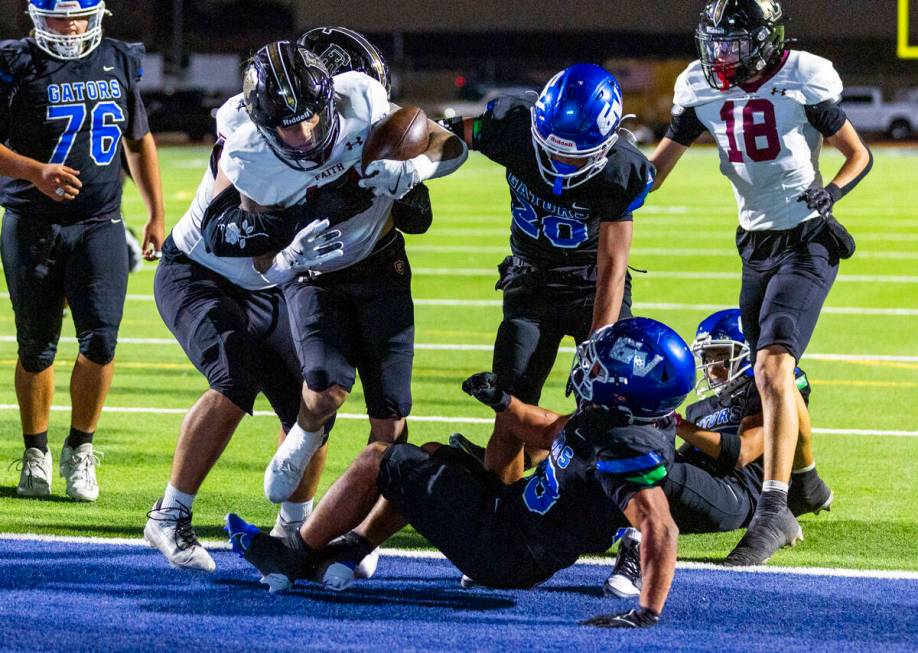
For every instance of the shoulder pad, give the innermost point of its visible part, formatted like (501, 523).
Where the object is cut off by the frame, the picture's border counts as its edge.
(621, 449)
(255, 171)
(360, 97)
(692, 89)
(816, 79)
(15, 56)
(133, 52)
(231, 115)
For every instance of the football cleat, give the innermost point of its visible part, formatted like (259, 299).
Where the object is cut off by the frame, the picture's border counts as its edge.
(284, 528)
(169, 530)
(285, 471)
(78, 466)
(625, 580)
(281, 562)
(462, 443)
(808, 493)
(767, 533)
(34, 473)
(467, 583)
(367, 567)
(340, 560)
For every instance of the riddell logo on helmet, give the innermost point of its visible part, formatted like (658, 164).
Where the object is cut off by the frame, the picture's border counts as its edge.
(560, 142)
(67, 5)
(286, 122)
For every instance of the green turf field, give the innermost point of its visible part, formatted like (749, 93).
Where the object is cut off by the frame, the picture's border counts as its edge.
(684, 237)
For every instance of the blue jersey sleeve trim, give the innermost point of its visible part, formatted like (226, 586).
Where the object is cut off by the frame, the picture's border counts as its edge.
(638, 201)
(651, 459)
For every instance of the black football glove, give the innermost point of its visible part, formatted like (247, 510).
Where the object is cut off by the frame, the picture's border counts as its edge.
(821, 199)
(483, 386)
(638, 618)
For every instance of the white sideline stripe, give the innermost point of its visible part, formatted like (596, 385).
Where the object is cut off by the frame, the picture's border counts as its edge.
(438, 419)
(884, 574)
(669, 274)
(660, 306)
(564, 350)
(645, 251)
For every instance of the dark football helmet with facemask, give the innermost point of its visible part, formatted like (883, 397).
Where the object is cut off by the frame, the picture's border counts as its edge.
(285, 84)
(739, 39)
(342, 49)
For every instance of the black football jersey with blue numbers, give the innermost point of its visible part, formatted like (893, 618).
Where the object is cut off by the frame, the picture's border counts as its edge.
(551, 230)
(724, 414)
(573, 503)
(74, 113)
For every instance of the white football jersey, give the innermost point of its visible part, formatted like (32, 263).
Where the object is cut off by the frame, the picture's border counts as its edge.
(257, 172)
(768, 148)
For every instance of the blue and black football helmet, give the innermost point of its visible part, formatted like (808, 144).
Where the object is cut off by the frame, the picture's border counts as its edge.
(739, 39)
(64, 46)
(721, 351)
(342, 49)
(576, 116)
(283, 85)
(637, 366)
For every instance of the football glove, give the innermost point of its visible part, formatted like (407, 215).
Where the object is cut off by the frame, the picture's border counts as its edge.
(500, 107)
(312, 247)
(483, 386)
(395, 178)
(637, 618)
(821, 199)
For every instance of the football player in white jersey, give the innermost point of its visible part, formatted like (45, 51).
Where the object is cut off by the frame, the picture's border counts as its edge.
(769, 109)
(356, 313)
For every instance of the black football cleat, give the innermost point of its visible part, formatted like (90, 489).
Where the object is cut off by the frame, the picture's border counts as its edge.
(808, 493)
(767, 532)
(625, 580)
(462, 443)
(281, 561)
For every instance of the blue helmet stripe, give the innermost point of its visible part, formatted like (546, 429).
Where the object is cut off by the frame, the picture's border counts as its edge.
(651, 459)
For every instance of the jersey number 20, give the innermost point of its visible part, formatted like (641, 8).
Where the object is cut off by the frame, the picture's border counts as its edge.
(104, 130)
(759, 125)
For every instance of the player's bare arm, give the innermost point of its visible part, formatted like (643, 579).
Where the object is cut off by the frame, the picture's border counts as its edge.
(665, 158)
(612, 266)
(751, 439)
(648, 511)
(144, 165)
(59, 182)
(858, 159)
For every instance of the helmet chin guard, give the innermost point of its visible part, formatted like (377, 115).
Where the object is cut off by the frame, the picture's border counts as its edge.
(67, 46)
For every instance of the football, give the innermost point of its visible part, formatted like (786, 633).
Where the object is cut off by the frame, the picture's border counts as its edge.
(400, 136)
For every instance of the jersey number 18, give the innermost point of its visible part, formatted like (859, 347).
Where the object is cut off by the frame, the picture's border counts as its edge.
(759, 125)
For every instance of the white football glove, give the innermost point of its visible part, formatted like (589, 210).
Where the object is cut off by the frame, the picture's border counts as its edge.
(395, 178)
(312, 247)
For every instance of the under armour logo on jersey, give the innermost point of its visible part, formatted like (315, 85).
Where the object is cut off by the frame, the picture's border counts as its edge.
(351, 145)
(778, 91)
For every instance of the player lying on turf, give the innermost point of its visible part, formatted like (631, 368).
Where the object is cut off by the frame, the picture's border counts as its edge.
(606, 463)
(769, 108)
(716, 480)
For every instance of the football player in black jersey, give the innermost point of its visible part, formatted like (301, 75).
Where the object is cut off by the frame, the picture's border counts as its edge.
(716, 480)
(69, 106)
(573, 187)
(606, 464)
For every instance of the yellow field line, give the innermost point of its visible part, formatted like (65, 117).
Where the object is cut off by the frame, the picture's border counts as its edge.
(905, 50)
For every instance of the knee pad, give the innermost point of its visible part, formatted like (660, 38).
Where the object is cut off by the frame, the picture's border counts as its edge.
(98, 345)
(36, 357)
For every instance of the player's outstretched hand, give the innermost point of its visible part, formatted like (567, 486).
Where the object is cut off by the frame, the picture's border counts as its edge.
(483, 386)
(312, 247)
(821, 199)
(395, 178)
(58, 182)
(503, 105)
(153, 237)
(637, 618)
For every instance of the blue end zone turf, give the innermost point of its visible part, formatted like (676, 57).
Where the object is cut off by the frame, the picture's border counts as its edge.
(65, 596)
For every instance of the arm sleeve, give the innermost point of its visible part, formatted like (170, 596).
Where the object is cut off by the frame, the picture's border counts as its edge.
(230, 231)
(138, 124)
(827, 117)
(413, 214)
(684, 126)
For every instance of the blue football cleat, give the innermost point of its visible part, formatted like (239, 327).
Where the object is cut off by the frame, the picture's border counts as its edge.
(240, 533)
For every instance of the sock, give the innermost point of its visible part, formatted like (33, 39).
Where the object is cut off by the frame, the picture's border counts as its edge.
(38, 441)
(774, 497)
(173, 497)
(78, 437)
(803, 470)
(292, 511)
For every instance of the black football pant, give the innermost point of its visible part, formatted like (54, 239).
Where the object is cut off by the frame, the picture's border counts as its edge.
(703, 503)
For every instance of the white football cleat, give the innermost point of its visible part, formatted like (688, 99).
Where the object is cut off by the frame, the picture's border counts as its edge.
(170, 531)
(625, 580)
(78, 466)
(284, 528)
(35, 473)
(367, 566)
(286, 469)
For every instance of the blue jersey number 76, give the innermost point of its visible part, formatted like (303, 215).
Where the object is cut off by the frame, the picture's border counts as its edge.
(104, 130)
